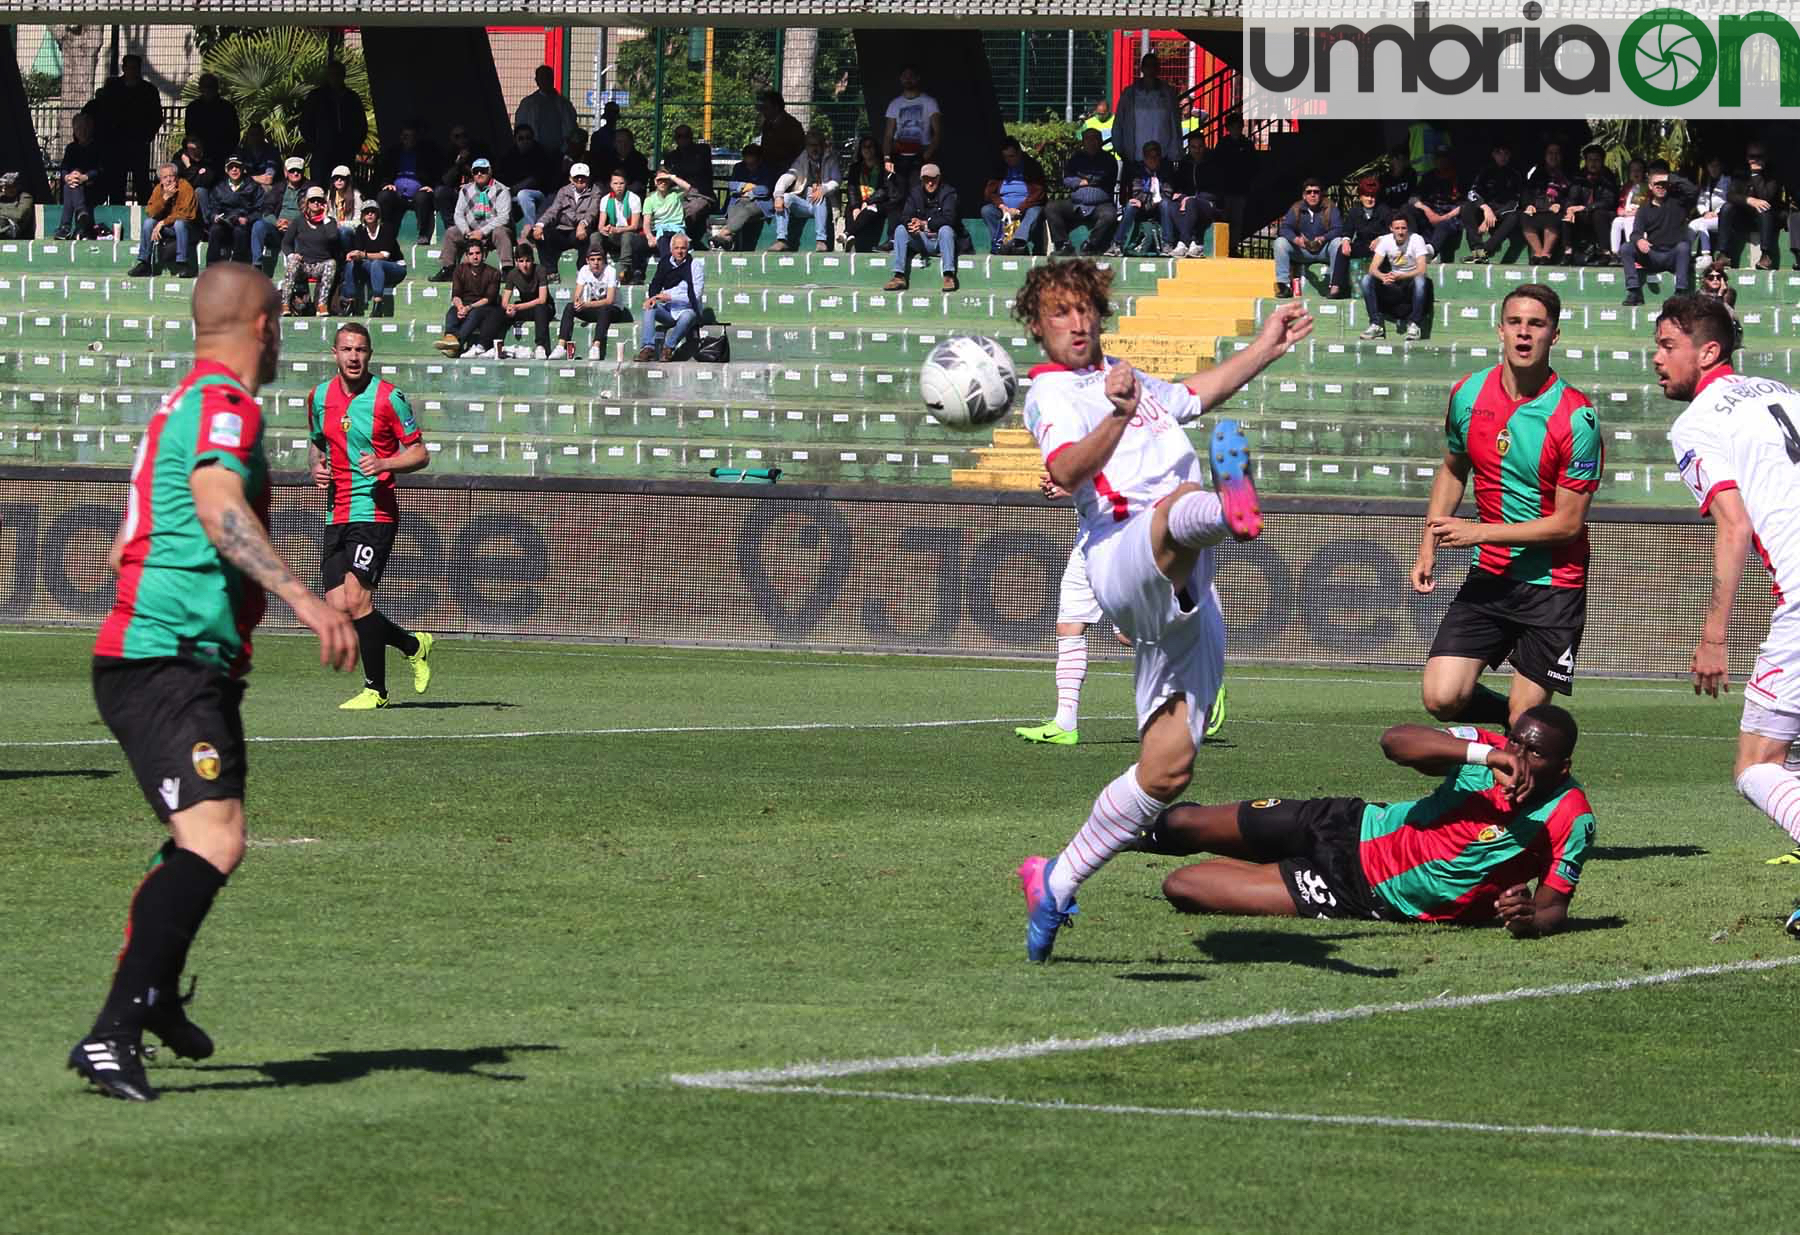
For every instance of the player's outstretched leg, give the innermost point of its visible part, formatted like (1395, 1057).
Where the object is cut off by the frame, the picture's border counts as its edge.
(1071, 673)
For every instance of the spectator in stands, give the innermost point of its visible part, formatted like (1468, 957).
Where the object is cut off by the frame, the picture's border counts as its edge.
(525, 298)
(471, 322)
(1548, 190)
(1148, 110)
(1365, 225)
(1193, 207)
(930, 224)
(1307, 230)
(603, 145)
(376, 263)
(484, 210)
(1015, 199)
(663, 218)
(1437, 205)
(193, 166)
(1146, 196)
(171, 208)
(869, 197)
(619, 229)
(1233, 159)
(1492, 213)
(1659, 235)
(1716, 283)
(262, 162)
(808, 189)
(213, 119)
(782, 137)
(18, 217)
(83, 180)
(333, 121)
(596, 302)
(575, 151)
(1100, 120)
(530, 172)
(1399, 184)
(128, 115)
(408, 176)
(692, 163)
(1713, 193)
(457, 162)
(1632, 194)
(1090, 176)
(569, 222)
(1397, 285)
(546, 112)
(672, 303)
(232, 211)
(629, 159)
(311, 249)
(1593, 203)
(342, 202)
(752, 201)
(913, 129)
(1752, 203)
(282, 210)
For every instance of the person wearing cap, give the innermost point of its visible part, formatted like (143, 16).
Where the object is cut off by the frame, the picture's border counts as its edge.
(342, 202)
(408, 172)
(310, 249)
(472, 322)
(663, 211)
(530, 170)
(375, 262)
(751, 203)
(691, 161)
(483, 212)
(569, 221)
(282, 209)
(333, 120)
(233, 207)
(1753, 203)
(807, 189)
(18, 220)
(929, 224)
(596, 301)
(172, 206)
(1365, 223)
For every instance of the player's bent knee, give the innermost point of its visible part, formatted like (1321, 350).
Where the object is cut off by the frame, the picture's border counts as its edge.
(1165, 784)
(214, 830)
(1181, 889)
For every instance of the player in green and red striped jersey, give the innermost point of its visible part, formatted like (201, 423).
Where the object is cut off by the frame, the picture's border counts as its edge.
(363, 435)
(1508, 812)
(194, 560)
(1532, 442)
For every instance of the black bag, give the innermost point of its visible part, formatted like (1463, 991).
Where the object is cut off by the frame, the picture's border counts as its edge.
(713, 349)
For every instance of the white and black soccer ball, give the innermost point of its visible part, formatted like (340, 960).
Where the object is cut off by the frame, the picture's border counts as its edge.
(968, 382)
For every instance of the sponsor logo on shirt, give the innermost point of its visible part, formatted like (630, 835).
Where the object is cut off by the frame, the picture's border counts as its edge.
(226, 429)
(1488, 835)
(206, 762)
(1568, 871)
(1584, 469)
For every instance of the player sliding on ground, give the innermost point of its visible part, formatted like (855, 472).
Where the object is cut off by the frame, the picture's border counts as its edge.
(1738, 448)
(1507, 812)
(1115, 439)
(363, 435)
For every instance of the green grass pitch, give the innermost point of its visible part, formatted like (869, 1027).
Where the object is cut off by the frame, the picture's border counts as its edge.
(456, 976)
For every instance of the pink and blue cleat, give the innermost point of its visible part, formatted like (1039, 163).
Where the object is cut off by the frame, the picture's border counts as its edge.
(1229, 453)
(1042, 918)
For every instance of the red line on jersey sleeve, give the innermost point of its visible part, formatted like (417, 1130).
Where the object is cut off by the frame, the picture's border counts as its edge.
(1707, 501)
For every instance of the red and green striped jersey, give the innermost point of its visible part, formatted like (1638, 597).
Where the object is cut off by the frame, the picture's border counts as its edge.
(345, 426)
(1522, 452)
(176, 596)
(1447, 857)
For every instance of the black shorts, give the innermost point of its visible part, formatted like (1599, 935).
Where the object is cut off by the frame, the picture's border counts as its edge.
(1315, 842)
(179, 724)
(1537, 628)
(359, 549)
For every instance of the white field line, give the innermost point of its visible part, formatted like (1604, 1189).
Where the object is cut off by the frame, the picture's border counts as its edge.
(1294, 1117)
(1276, 1019)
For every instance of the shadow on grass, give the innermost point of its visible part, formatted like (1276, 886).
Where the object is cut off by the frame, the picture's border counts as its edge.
(1254, 947)
(40, 773)
(339, 1067)
(1574, 926)
(1629, 853)
(438, 705)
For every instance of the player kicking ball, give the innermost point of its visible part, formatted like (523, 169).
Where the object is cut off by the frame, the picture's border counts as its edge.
(1738, 447)
(363, 435)
(1114, 438)
(1507, 812)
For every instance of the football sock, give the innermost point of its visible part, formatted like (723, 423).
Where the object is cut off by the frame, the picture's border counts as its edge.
(1776, 792)
(372, 638)
(1121, 811)
(1197, 520)
(166, 913)
(1071, 672)
(1486, 707)
(396, 638)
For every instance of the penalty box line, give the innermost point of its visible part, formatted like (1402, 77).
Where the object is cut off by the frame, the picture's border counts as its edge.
(1277, 1019)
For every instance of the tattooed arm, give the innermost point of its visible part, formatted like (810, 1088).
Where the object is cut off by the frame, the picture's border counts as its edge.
(240, 538)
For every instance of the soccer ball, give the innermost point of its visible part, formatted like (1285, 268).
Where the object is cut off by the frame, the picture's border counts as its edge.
(968, 382)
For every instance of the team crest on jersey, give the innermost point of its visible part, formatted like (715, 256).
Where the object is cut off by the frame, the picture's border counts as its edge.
(1503, 442)
(346, 423)
(206, 760)
(1488, 835)
(1265, 803)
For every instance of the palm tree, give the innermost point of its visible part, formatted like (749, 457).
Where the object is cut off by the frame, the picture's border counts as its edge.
(268, 74)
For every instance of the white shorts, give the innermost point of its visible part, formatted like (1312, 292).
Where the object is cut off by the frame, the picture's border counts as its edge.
(1075, 602)
(1179, 650)
(1772, 692)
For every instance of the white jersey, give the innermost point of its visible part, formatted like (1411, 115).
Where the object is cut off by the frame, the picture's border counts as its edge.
(1152, 458)
(1743, 432)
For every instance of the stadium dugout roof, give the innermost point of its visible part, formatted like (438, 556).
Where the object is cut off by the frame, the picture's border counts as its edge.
(1002, 14)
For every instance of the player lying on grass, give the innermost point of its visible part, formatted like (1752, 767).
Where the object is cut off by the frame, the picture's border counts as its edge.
(1507, 812)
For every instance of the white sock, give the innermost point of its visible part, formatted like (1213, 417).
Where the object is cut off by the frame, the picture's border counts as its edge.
(1197, 520)
(1121, 810)
(1776, 792)
(1071, 672)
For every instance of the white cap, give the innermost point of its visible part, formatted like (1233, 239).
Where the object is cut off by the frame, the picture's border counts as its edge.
(341, 170)
(579, 169)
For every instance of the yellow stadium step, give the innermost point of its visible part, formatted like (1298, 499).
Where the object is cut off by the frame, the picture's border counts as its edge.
(983, 478)
(1175, 323)
(1163, 355)
(1014, 438)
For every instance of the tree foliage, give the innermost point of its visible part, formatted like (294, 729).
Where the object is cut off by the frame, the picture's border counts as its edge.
(269, 72)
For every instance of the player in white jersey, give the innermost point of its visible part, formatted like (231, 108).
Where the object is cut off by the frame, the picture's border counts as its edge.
(1738, 448)
(1114, 439)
